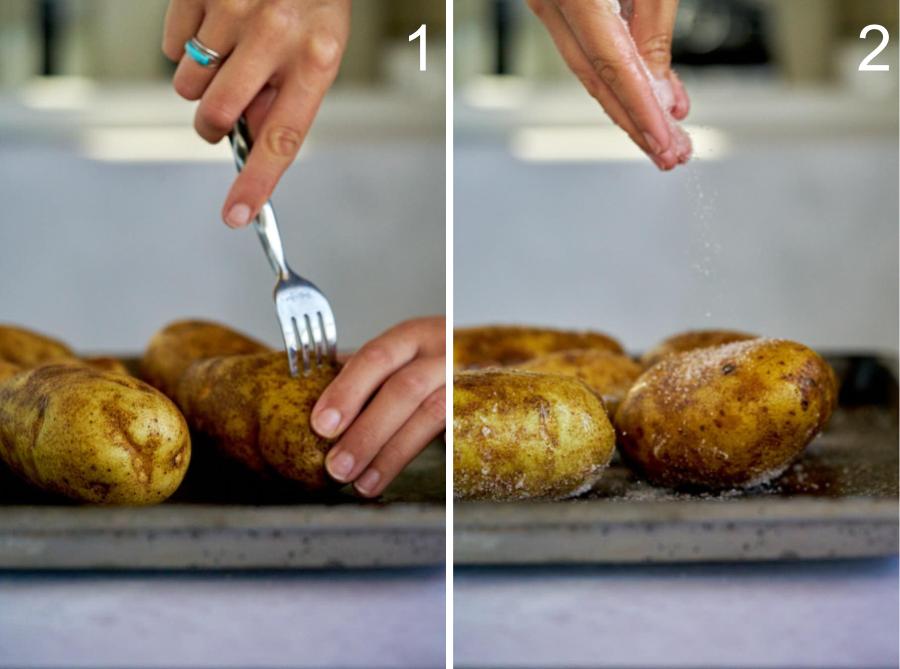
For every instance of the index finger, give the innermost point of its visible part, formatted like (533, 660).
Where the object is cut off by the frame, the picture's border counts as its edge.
(604, 37)
(283, 130)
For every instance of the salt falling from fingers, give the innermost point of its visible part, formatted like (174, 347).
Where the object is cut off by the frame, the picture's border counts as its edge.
(664, 94)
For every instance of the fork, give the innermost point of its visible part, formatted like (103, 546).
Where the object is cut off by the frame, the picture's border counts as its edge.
(304, 313)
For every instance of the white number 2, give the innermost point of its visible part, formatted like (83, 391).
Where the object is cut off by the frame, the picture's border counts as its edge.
(865, 65)
(420, 35)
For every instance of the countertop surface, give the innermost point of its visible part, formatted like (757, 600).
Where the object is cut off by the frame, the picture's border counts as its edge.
(797, 614)
(366, 619)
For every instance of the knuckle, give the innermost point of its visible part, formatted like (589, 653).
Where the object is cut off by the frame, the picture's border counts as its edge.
(607, 70)
(375, 355)
(435, 406)
(410, 383)
(283, 140)
(234, 8)
(657, 50)
(277, 17)
(322, 51)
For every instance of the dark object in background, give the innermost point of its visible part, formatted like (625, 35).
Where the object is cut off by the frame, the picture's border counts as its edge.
(51, 18)
(502, 20)
(866, 381)
(721, 32)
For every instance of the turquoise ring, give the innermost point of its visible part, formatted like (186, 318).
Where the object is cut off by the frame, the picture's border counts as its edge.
(202, 55)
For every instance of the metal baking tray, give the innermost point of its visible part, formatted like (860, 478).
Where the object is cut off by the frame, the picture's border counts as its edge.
(838, 501)
(222, 517)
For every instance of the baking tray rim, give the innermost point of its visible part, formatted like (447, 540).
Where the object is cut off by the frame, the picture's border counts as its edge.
(397, 516)
(508, 515)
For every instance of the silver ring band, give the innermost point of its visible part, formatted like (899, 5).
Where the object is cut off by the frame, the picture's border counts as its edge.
(202, 54)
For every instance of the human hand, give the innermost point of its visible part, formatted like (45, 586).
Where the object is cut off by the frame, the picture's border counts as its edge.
(386, 404)
(281, 56)
(626, 67)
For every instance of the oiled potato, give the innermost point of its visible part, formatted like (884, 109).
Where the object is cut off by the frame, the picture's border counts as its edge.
(503, 345)
(28, 349)
(608, 374)
(735, 415)
(691, 340)
(520, 435)
(8, 369)
(172, 350)
(92, 436)
(106, 364)
(253, 411)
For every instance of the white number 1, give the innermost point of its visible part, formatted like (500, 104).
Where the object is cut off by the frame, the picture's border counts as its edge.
(866, 65)
(420, 35)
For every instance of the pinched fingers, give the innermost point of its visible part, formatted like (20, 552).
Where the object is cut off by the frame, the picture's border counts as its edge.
(605, 40)
(578, 62)
(398, 400)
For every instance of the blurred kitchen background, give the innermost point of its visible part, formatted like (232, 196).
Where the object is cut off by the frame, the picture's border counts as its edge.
(785, 223)
(112, 202)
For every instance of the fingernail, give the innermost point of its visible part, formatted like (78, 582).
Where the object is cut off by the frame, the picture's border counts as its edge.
(655, 146)
(238, 216)
(327, 421)
(367, 482)
(340, 465)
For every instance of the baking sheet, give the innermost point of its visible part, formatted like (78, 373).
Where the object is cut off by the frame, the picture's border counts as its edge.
(838, 501)
(222, 517)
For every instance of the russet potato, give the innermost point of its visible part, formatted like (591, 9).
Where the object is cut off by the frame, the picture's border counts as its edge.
(106, 364)
(92, 436)
(505, 345)
(608, 374)
(174, 348)
(691, 340)
(28, 349)
(521, 435)
(253, 411)
(729, 416)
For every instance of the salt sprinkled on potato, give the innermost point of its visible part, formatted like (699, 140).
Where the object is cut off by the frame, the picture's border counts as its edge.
(729, 416)
(522, 435)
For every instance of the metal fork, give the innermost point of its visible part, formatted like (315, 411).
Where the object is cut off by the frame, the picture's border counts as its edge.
(305, 316)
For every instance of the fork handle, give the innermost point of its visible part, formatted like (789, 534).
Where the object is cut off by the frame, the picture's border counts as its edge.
(265, 224)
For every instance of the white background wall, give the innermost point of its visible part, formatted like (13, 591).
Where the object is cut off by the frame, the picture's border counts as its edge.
(104, 253)
(792, 233)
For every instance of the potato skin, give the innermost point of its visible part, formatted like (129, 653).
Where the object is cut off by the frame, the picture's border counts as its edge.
(730, 416)
(520, 435)
(691, 340)
(250, 409)
(28, 349)
(92, 436)
(8, 369)
(505, 345)
(172, 350)
(609, 375)
(106, 364)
